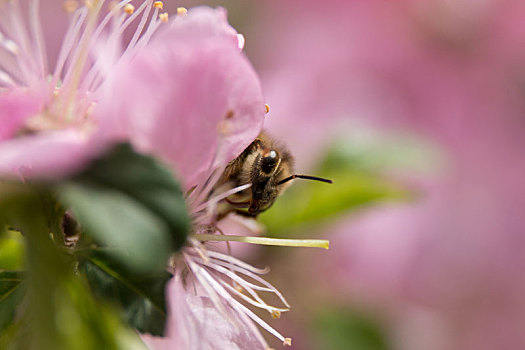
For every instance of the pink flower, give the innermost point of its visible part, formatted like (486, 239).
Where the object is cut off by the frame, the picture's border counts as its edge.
(191, 98)
(182, 91)
(172, 86)
(195, 322)
(46, 116)
(197, 105)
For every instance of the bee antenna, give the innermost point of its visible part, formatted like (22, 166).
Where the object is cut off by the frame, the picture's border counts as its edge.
(306, 177)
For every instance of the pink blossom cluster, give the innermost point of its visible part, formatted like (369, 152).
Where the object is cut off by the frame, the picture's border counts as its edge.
(178, 88)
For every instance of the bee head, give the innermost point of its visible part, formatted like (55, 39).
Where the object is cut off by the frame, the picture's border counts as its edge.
(269, 162)
(264, 181)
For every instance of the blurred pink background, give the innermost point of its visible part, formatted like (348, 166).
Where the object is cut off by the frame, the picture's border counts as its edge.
(447, 270)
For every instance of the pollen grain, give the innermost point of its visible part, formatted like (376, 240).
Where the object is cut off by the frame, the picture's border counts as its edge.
(163, 17)
(129, 9)
(181, 11)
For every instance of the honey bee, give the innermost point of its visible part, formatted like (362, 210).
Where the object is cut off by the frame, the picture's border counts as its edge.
(265, 164)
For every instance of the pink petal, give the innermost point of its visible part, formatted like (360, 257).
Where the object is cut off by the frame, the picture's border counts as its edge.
(16, 106)
(195, 323)
(46, 155)
(189, 96)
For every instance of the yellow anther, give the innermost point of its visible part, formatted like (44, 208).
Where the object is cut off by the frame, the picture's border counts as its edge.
(88, 4)
(163, 17)
(238, 288)
(266, 108)
(158, 5)
(287, 342)
(276, 314)
(129, 9)
(70, 6)
(181, 11)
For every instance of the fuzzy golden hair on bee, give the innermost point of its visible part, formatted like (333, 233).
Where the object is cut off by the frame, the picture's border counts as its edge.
(268, 166)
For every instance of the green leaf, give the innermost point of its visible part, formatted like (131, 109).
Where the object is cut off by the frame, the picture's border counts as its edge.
(374, 152)
(141, 300)
(147, 181)
(11, 293)
(60, 312)
(306, 204)
(130, 202)
(11, 250)
(360, 166)
(139, 238)
(56, 311)
(343, 328)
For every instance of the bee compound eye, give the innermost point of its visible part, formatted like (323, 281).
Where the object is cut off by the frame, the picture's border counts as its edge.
(269, 161)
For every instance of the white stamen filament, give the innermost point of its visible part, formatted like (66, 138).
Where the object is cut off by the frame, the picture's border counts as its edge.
(221, 196)
(217, 292)
(9, 45)
(111, 14)
(80, 56)
(14, 29)
(152, 27)
(9, 64)
(234, 261)
(314, 243)
(237, 265)
(130, 19)
(244, 297)
(256, 278)
(258, 302)
(260, 322)
(199, 196)
(245, 285)
(207, 282)
(93, 75)
(5, 79)
(147, 5)
(36, 32)
(73, 33)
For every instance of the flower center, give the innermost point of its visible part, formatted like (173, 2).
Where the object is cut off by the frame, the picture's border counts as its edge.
(94, 43)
